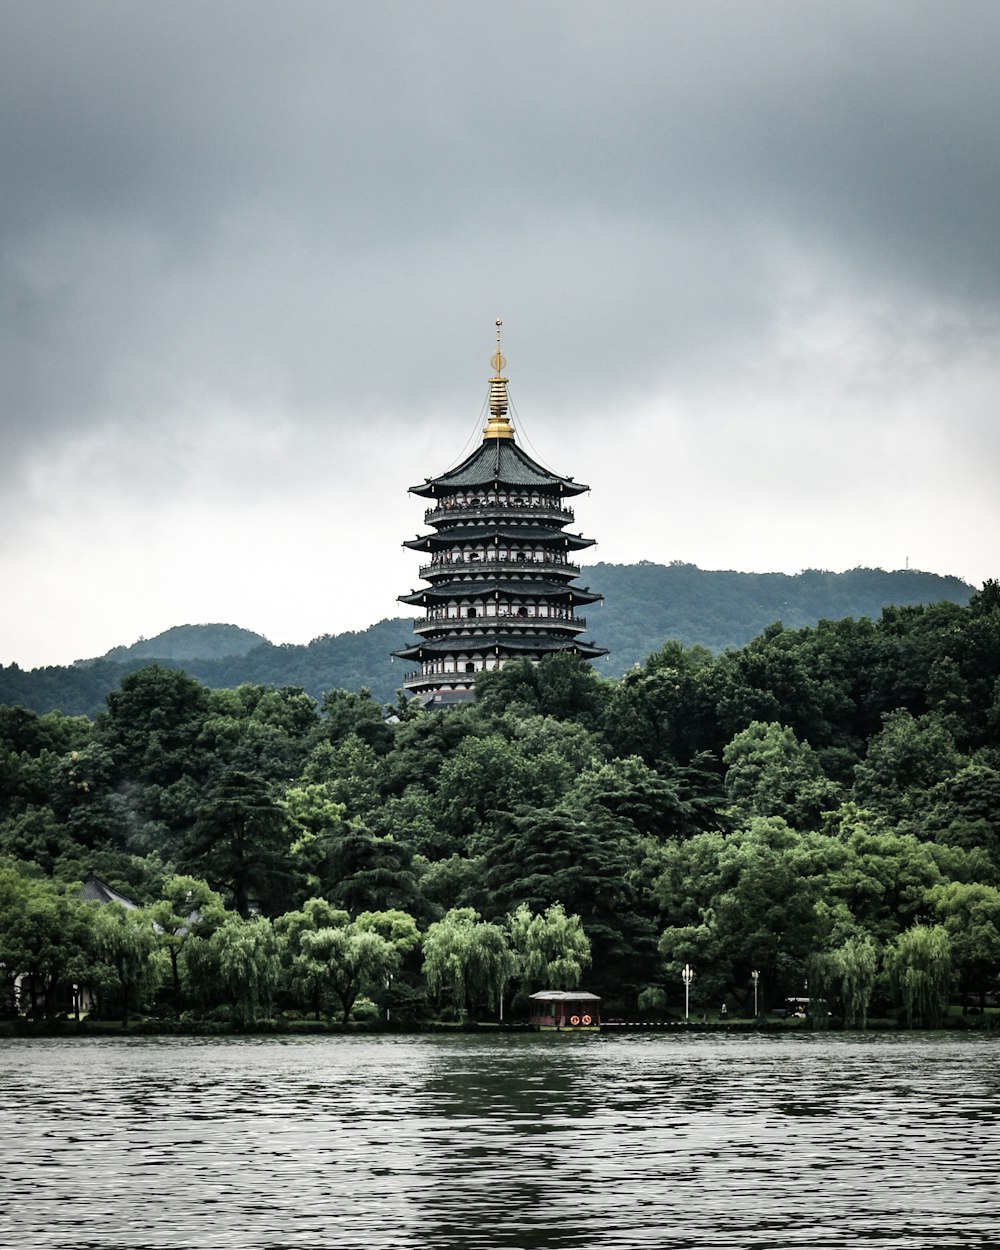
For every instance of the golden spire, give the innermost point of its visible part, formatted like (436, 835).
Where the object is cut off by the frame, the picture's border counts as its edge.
(499, 425)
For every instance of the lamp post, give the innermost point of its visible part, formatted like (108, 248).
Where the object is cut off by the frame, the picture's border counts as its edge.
(687, 976)
(755, 977)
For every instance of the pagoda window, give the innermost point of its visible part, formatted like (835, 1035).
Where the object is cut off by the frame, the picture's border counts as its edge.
(470, 667)
(471, 612)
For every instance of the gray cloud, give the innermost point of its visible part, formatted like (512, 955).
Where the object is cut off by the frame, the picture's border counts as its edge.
(236, 238)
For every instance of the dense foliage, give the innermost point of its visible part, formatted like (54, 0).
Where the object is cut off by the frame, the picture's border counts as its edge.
(821, 806)
(645, 604)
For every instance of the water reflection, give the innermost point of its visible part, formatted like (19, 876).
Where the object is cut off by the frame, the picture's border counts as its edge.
(526, 1142)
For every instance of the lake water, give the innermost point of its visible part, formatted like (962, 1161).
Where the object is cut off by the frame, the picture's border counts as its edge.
(526, 1142)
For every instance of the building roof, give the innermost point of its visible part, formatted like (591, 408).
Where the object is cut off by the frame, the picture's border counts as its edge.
(503, 644)
(564, 996)
(514, 588)
(501, 461)
(459, 534)
(94, 890)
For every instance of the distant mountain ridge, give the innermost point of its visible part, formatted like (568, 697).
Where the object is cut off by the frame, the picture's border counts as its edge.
(645, 605)
(186, 642)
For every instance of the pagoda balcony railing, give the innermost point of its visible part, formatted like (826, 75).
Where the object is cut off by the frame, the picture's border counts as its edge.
(461, 512)
(533, 564)
(505, 618)
(447, 677)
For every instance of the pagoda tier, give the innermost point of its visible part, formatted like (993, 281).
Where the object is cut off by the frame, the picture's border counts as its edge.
(518, 589)
(499, 463)
(460, 536)
(500, 581)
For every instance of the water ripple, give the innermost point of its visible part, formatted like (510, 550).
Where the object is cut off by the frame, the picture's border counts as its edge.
(526, 1143)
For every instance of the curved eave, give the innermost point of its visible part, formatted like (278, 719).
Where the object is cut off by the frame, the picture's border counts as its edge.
(440, 539)
(499, 644)
(501, 461)
(555, 592)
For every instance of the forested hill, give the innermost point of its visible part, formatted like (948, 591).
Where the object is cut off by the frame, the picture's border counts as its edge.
(645, 605)
(186, 642)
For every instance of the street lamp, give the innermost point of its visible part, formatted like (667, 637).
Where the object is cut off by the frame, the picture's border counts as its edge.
(687, 976)
(755, 977)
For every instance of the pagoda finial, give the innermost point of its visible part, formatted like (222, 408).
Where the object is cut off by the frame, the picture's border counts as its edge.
(498, 425)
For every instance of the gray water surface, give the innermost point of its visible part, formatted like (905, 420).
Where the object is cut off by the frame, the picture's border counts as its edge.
(528, 1142)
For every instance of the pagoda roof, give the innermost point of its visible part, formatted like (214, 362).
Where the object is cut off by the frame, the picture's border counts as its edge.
(516, 587)
(477, 533)
(508, 644)
(498, 460)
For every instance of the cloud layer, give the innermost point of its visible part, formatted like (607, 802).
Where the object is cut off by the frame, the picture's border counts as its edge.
(250, 257)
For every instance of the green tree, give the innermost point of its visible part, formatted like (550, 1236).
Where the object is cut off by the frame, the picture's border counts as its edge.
(771, 773)
(240, 842)
(124, 942)
(581, 858)
(305, 977)
(493, 775)
(45, 937)
(153, 724)
(905, 761)
(552, 948)
(36, 835)
(562, 686)
(347, 961)
(746, 900)
(970, 915)
(240, 962)
(857, 968)
(919, 966)
(630, 790)
(467, 960)
(397, 927)
(188, 909)
(664, 712)
(348, 714)
(369, 873)
(315, 821)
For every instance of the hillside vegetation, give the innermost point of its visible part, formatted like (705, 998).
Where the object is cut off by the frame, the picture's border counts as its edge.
(821, 806)
(186, 642)
(645, 606)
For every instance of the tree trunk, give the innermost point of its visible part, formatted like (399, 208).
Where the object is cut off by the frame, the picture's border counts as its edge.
(174, 954)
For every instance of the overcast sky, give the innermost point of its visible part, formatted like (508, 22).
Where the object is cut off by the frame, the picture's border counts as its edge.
(747, 257)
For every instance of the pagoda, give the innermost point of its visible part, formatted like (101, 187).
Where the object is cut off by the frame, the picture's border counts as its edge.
(501, 582)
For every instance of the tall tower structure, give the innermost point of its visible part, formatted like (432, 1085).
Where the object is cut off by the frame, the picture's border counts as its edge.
(498, 563)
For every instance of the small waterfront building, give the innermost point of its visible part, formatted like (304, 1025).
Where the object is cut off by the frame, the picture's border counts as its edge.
(572, 1010)
(498, 563)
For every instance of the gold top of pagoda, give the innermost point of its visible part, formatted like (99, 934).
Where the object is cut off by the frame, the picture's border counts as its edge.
(498, 426)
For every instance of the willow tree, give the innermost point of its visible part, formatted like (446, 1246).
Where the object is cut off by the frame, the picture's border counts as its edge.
(467, 960)
(187, 909)
(125, 943)
(919, 966)
(552, 948)
(346, 961)
(241, 960)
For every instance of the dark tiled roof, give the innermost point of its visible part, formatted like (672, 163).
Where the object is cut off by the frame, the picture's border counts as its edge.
(460, 534)
(516, 588)
(94, 890)
(498, 460)
(508, 644)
